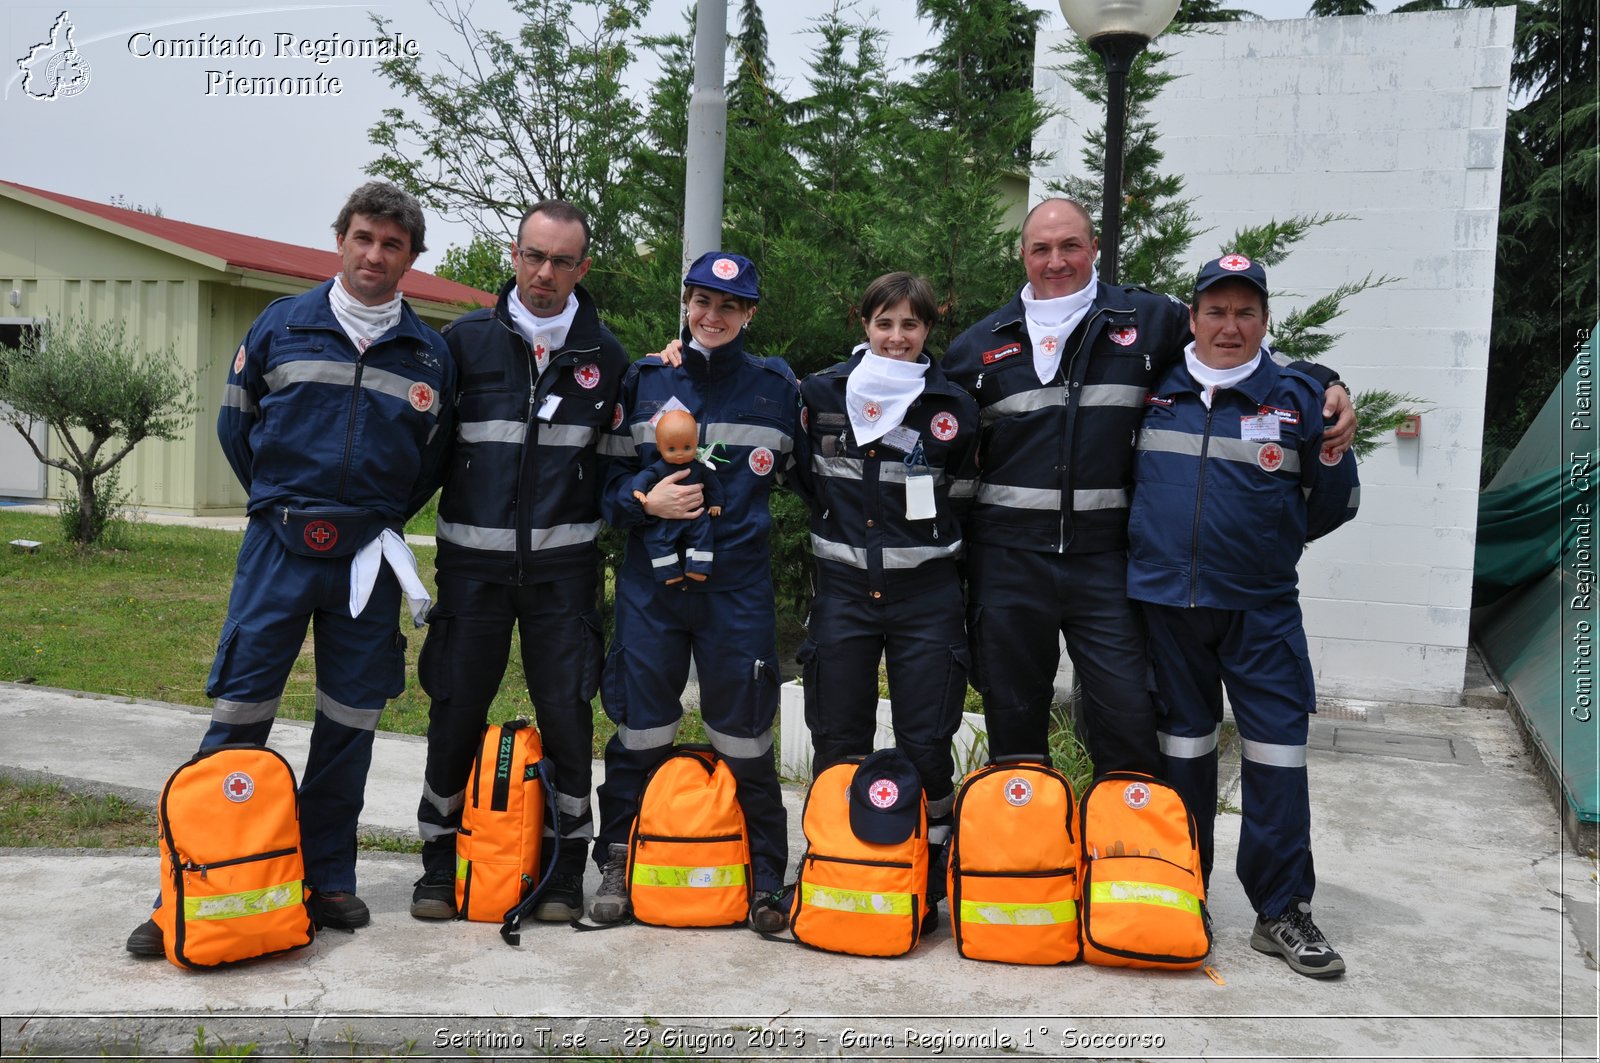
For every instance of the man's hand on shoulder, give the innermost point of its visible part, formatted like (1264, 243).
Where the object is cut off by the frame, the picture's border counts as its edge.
(1337, 404)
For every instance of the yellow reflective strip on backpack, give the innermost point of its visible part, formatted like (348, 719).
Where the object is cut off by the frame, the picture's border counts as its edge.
(855, 900)
(250, 902)
(1143, 893)
(695, 877)
(1009, 913)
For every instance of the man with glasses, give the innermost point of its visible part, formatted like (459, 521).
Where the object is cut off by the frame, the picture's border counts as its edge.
(517, 521)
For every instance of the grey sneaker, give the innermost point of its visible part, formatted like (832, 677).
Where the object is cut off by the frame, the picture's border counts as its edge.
(1296, 938)
(611, 902)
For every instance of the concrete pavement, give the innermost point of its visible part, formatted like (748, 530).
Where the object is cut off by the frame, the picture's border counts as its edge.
(1469, 931)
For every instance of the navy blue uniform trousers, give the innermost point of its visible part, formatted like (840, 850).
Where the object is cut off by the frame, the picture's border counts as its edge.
(732, 638)
(1260, 656)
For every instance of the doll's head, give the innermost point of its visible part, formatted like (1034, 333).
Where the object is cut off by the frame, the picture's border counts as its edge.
(677, 437)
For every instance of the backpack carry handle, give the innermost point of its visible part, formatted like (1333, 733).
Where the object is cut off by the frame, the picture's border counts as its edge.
(1021, 758)
(511, 929)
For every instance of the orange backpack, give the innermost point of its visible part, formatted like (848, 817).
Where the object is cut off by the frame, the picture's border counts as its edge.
(689, 853)
(1013, 876)
(1143, 894)
(502, 827)
(857, 896)
(232, 883)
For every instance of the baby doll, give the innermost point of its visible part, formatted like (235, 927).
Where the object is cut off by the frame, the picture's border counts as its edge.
(677, 439)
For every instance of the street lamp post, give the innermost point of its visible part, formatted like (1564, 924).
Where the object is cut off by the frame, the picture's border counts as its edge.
(1118, 30)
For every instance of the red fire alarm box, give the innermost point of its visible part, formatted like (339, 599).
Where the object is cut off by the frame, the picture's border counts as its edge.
(1410, 428)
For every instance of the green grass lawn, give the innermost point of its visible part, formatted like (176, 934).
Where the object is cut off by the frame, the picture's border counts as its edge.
(142, 621)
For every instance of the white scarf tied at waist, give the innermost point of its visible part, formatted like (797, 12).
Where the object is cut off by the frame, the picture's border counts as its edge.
(369, 560)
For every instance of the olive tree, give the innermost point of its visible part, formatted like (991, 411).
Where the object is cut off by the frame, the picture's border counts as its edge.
(101, 396)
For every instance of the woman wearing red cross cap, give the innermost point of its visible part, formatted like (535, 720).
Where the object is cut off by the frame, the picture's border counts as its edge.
(893, 446)
(748, 411)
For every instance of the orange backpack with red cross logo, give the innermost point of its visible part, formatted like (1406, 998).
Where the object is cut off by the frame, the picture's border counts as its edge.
(1144, 895)
(232, 876)
(863, 884)
(1013, 875)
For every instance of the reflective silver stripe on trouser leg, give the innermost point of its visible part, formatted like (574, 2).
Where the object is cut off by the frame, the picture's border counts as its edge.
(573, 808)
(1183, 748)
(360, 719)
(649, 737)
(1274, 755)
(445, 806)
(939, 833)
(241, 712)
(740, 748)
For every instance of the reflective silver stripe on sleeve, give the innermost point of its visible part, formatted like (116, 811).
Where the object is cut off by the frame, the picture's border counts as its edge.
(1274, 755)
(1245, 452)
(306, 371)
(1111, 395)
(576, 436)
(740, 748)
(748, 435)
(699, 555)
(1026, 402)
(1188, 748)
(666, 561)
(1355, 497)
(649, 738)
(444, 805)
(613, 446)
(338, 712)
(1018, 497)
(895, 557)
(237, 397)
(563, 535)
(1100, 498)
(475, 538)
(493, 432)
(225, 711)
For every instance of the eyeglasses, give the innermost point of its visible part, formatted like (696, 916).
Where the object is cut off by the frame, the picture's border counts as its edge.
(535, 259)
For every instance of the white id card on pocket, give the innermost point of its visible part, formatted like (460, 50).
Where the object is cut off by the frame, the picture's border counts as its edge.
(919, 496)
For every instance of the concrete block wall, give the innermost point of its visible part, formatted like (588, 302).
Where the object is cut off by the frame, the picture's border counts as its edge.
(1398, 122)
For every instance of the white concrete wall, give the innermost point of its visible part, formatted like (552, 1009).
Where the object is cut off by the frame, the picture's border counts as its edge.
(1397, 121)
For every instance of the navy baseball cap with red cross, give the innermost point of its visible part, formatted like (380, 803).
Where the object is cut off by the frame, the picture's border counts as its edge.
(1232, 266)
(724, 271)
(885, 798)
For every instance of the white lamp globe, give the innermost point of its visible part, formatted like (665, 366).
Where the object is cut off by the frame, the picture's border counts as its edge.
(1096, 18)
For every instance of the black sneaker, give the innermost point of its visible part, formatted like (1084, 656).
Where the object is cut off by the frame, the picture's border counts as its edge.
(562, 899)
(930, 919)
(434, 896)
(146, 940)
(339, 910)
(770, 914)
(611, 904)
(1296, 938)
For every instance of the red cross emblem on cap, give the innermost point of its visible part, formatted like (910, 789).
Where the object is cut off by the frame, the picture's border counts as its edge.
(587, 375)
(421, 397)
(884, 793)
(320, 535)
(1048, 344)
(944, 427)
(1234, 263)
(726, 268)
(761, 461)
(1270, 457)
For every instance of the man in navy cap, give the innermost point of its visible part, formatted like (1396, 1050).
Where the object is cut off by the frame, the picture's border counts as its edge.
(748, 409)
(1060, 374)
(1231, 427)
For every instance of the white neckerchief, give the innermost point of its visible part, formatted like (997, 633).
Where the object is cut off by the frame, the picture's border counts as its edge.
(362, 323)
(1211, 379)
(1051, 321)
(879, 391)
(391, 548)
(544, 334)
